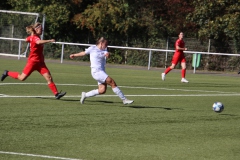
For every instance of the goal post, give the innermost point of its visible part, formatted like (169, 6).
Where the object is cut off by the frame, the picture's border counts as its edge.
(13, 31)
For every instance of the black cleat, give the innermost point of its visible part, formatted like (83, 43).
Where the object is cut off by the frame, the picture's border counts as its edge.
(4, 75)
(60, 95)
(238, 72)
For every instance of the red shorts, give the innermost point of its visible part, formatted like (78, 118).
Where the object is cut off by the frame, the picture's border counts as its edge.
(32, 66)
(178, 57)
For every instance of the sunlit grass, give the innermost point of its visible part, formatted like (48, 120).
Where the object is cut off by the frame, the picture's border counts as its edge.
(168, 120)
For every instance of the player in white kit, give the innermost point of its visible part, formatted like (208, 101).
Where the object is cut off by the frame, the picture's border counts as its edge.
(98, 54)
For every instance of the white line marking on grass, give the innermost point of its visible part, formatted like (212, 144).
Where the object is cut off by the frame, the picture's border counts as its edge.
(173, 95)
(36, 155)
(153, 95)
(169, 89)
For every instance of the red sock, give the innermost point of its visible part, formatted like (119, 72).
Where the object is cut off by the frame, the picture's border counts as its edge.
(183, 73)
(53, 88)
(167, 70)
(13, 74)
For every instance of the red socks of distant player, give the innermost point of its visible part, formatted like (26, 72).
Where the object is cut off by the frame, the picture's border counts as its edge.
(183, 73)
(53, 88)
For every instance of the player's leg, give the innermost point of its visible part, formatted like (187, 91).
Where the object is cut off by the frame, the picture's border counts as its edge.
(22, 76)
(117, 91)
(183, 65)
(14, 75)
(43, 70)
(174, 62)
(28, 69)
(104, 80)
(183, 73)
(100, 77)
(101, 90)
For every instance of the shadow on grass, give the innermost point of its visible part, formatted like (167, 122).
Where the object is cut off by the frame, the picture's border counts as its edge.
(220, 114)
(149, 107)
(134, 106)
(101, 101)
(62, 99)
(93, 102)
(120, 104)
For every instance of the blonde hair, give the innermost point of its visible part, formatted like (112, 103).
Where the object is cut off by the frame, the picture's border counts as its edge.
(101, 40)
(31, 29)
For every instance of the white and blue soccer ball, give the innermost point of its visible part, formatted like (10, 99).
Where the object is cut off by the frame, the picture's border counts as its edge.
(217, 107)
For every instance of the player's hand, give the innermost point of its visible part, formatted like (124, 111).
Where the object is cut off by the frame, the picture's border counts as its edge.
(71, 56)
(107, 54)
(185, 49)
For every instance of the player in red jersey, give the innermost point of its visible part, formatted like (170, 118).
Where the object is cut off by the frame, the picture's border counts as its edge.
(178, 57)
(35, 60)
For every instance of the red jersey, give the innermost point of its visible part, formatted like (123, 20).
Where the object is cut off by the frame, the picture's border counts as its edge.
(36, 50)
(181, 44)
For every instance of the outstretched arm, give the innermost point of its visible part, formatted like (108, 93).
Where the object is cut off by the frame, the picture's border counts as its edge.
(80, 54)
(45, 41)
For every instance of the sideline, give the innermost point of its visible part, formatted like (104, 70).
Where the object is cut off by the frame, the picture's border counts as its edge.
(37, 155)
(150, 88)
(154, 95)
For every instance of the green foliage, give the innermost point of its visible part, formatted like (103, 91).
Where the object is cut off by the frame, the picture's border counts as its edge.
(137, 23)
(217, 19)
(57, 15)
(117, 56)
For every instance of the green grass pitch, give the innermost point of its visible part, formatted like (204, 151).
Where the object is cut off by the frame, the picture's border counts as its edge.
(168, 120)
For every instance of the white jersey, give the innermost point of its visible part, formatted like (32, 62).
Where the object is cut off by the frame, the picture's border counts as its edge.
(97, 57)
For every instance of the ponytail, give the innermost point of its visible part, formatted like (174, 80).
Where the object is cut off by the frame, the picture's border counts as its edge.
(36, 25)
(30, 29)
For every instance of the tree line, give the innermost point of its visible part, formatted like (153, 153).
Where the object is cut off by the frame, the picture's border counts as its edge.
(136, 23)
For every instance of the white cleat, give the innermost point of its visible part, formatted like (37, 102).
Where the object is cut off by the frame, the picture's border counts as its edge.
(126, 101)
(163, 76)
(83, 97)
(183, 80)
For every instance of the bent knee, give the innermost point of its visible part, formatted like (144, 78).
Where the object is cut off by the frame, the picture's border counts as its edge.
(172, 67)
(102, 92)
(22, 78)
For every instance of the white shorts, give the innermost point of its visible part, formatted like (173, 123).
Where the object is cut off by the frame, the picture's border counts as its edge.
(99, 75)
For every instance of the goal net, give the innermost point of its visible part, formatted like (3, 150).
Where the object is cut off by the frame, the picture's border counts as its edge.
(13, 32)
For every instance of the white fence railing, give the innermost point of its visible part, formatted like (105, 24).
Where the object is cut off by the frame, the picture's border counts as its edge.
(19, 55)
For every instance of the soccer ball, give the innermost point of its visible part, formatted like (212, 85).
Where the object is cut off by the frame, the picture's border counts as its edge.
(217, 107)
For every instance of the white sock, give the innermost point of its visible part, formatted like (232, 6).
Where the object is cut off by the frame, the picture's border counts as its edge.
(92, 93)
(118, 92)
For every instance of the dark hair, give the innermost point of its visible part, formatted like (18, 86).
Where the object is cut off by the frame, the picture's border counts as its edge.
(101, 40)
